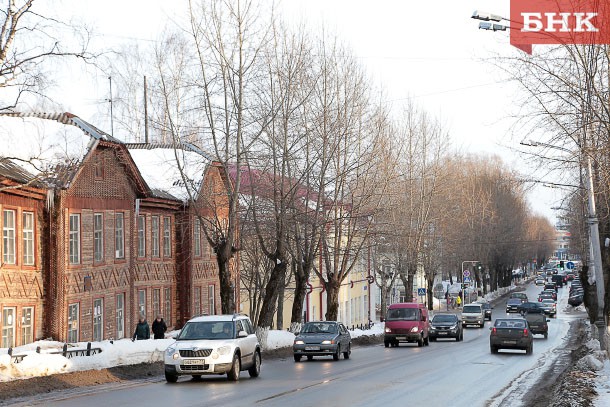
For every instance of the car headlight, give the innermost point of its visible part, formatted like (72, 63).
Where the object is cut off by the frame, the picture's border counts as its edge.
(388, 330)
(453, 327)
(224, 350)
(328, 342)
(415, 329)
(170, 350)
(299, 342)
(432, 328)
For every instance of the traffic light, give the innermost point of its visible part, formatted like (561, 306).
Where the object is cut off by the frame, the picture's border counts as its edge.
(561, 264)
(479, 267)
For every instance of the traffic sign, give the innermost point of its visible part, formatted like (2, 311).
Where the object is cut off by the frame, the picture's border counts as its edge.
(466, 273)
(421, 291)
(570, 265)
(466, 279)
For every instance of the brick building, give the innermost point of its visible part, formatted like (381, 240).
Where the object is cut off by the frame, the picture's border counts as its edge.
(116, 243)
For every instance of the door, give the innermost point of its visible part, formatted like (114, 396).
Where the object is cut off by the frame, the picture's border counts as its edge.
(120, 319)
(8, 327)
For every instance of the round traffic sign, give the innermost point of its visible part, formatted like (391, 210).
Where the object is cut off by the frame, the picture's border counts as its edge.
(570, 265)
(466, 273)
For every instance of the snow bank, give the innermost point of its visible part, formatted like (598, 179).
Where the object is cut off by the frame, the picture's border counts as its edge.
(279, 339)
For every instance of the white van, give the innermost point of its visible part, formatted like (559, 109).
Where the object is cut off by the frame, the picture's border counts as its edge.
(473, 314)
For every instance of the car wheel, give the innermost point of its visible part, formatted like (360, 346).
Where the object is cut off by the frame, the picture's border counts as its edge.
(337, 353)
(420, 342)
(309, 357)
(546, 335)
(255, 370)
(482, 325)
(529, 350)
(433, 339)
(171, 377)
(427, 341)
(493, 349)
(233, 374)
(297, 358)
(349, 351)
(386, 344)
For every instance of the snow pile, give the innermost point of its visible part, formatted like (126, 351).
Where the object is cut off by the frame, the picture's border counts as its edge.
(279, 339)
(376, 329)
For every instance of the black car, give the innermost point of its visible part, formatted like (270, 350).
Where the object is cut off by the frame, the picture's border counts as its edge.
(322, 338)
(487, 308)
(511, 333)
(530, 308)
(446, 326)
(575, 300)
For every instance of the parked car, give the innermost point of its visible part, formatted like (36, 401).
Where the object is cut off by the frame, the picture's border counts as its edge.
(521, 296)
(549, 306)
(487, 308)
(511, 333)
(538, 324)
(446, 326)
(512, 305)
(530, 307)
(575, 300)
(406, 322)
(212, 345)
(322, 338)
(473, 314)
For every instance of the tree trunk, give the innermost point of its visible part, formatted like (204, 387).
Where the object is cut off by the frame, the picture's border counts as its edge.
(430, 293)
(280, 301)
(223, 257)
(384, 298)
(332, 300)
(301, 275)
(265, 319)
(409, 286)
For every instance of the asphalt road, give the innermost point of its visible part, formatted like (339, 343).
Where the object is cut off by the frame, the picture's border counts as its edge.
(446, 373)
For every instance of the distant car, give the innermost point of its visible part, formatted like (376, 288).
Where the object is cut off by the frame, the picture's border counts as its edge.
(512, 305)
(212, 345)
(521, 296)
(487, 308)
(538, 324)
(575, 300)
(540, 281)
(530, 308)
(545, 296)
(322, 338)
(473, 314)
(570, 276)
(552, 293)
(446, 326)
(551, 285)
(511, 333)
(549, 306)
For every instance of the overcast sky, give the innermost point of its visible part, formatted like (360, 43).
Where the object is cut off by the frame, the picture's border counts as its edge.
(429, 51)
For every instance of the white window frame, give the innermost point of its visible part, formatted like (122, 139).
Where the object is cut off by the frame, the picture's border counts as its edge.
(141, 236)
(142, 302)
(8, 237)
(167, 310)
(154, 232)
(27, 226)
(120, 315)
(74, 240)
(98, 319)
(167, 236)
(212, 299)
(73, 322)
(119, 235)
(197, 237)
(27, 326)
(156, 302)
(9, 326)
(98, 237)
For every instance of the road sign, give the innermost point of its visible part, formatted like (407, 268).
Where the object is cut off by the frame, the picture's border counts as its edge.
(466, 279)
(466, 273)
(421, 291)
(570, 265)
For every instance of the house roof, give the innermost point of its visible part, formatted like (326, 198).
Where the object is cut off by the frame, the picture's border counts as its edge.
(14, 172)
(171, 173)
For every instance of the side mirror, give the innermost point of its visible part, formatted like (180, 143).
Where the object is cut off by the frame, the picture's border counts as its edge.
(242, 334)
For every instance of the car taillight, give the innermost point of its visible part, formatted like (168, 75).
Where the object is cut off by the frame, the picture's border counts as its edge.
(494, 331)
(525, 333)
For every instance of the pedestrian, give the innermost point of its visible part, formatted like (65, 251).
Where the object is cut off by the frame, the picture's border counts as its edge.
(459, 301)
(159, 327)
(142, 329)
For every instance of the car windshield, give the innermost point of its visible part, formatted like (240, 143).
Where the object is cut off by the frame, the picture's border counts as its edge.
(514, 301)
(509, 323)
(444, 318)
(406, 314)
(206, 330)
(472, 309)
(319, 328)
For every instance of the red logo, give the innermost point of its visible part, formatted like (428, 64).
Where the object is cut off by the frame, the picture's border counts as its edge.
(559, 22)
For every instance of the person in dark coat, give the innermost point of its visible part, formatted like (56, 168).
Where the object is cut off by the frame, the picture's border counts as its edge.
(159, 327)
(142, 330)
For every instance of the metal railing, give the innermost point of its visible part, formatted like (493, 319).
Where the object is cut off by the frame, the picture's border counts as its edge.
(65, 352)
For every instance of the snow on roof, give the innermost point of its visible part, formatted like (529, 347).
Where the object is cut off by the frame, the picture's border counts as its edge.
(178, 172)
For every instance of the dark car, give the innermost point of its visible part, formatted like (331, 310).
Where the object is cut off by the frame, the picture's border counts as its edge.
(559, 279)
(538, 324)
(553, 293)
(521, 296)
(575, 300)
(446, 326)
(551, 286)
(322, 338)
(512, 305)
(570, 276)
(530, 307)
(511, 333)
(549, 306)
(487, 308)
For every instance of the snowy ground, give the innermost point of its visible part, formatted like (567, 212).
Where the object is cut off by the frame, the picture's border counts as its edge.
(121, 352)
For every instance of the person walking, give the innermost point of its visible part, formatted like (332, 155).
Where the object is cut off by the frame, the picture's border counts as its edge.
(459, 301)
(142, 329)
(159, 327)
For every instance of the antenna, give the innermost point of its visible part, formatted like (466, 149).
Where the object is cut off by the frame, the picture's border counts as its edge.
(110, 100)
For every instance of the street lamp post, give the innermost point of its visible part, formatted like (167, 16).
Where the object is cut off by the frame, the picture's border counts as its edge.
(463, 286)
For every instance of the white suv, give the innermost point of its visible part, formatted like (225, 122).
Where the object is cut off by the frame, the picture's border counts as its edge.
(216, 344)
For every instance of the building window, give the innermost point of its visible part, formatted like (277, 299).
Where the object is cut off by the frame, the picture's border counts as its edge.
(212, 299)
(98, 237)
(73, 323)
(120, 316)
(8, 234)
(167, 237)
(155, 236)
(156, 300)
(98, 168)
(119, 235)
(27, 325)
(141, 236)
(197, 301)
(167, 311)
(142, 302)
(197, 237)
(28, 238)
(75, 238)
(98, 319)
(8, 326)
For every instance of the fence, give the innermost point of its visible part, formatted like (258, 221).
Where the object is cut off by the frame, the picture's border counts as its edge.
(88, 351)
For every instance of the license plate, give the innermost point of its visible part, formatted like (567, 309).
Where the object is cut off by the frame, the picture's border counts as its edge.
(509, 342)
(194, 362)
(312, 348)
(401, 337)
(442, 333)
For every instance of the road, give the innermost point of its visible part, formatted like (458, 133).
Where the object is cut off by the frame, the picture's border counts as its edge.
(446, 373)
